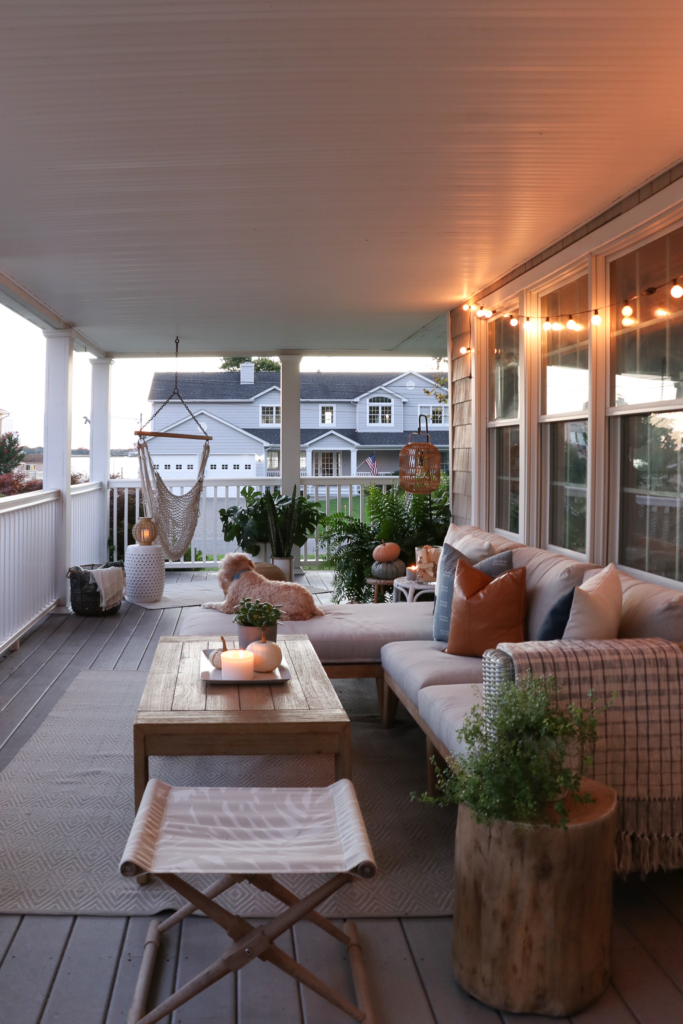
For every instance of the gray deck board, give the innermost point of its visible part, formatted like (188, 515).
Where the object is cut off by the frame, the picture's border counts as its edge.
(266, 995)
(328, 959)
(9, 924)
(609, 1009)
(202, 942)
(133, 652)
(397, 991)
(654, 926)
(117, 644)
(430, 943)
(163, 980)
(12, 660)
(165, 627)
(29, 967)
(648, 992)
(83, 983)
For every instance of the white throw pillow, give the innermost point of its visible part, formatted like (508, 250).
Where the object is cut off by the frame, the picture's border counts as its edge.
(596, 608)
(473, 547)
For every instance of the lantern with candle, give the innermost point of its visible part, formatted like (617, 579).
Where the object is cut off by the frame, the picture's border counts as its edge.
(144, 531)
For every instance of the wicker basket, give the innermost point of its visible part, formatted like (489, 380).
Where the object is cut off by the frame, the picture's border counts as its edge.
(85, 597)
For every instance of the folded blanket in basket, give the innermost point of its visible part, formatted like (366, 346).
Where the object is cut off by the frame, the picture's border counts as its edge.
(639, 751)
(110, 583)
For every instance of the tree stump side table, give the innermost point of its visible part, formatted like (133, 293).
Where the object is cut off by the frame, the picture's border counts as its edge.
(145, 573)
(532, 917)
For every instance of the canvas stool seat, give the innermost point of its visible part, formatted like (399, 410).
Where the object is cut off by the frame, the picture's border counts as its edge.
(248, 834)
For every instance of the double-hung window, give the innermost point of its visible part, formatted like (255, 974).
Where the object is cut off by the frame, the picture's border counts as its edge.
(503, 424)
(379, 410)
(326, 415)
(270, 415)
(564, 414)
(437, 415)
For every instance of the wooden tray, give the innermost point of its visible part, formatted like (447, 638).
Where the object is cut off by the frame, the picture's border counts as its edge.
(213, 675)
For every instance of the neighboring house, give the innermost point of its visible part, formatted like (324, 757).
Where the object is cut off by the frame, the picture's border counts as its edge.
(345, 419)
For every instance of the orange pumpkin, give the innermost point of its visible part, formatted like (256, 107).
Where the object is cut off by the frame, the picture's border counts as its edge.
(386, 552)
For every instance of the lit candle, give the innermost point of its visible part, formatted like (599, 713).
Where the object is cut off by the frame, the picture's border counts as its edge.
(411, 572)
(237, 665)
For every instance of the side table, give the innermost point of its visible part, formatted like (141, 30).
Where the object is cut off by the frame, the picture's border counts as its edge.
(411, 588)
(145, 573)
(377, 584)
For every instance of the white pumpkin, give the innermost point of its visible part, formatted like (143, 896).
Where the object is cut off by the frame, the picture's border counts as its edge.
(215, 658)
(267, 655)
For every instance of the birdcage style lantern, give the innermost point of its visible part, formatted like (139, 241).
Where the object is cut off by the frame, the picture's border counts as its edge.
(419, 464)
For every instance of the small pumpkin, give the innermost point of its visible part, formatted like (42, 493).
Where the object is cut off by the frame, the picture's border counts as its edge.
(389, 570)
(387, 551)
(215, 656)
(267, 655)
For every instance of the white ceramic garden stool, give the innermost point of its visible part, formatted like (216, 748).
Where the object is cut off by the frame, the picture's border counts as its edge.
(145, 573)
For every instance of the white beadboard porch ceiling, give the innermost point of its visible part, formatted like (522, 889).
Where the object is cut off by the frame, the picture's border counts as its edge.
(315, 175)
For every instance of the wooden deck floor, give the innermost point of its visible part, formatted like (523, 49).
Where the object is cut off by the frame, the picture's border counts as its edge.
(81, 970)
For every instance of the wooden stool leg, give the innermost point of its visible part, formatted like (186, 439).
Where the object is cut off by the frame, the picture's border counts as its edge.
(360, 977)
(342, 759)
(389, 707)
(142, 986)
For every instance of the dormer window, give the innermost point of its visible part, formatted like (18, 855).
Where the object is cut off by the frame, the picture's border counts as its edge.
(270, 415)
(380, 410)
(326, 415)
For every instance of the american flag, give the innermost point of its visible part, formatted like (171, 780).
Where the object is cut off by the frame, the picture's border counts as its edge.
(372, 463)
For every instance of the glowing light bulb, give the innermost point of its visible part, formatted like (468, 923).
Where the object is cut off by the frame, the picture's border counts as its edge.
(547, 326)
(661, 312)
(628, 321)
(676, 290)
(572, 324)
(596, 319)
(513, 321)
(464, 350)
(465, 306)
(527, 324)
(557, 326)
(488, 313)
(480, 312)
(626, 310)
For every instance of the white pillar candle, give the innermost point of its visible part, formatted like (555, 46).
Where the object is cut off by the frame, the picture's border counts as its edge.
(237, 665)
(411, 572)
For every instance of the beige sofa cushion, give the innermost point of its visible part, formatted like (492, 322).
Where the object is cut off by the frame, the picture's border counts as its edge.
(548, 578)
(650, 610)
(424, 663)
(347, 634)
(497, 543)
(444, 708)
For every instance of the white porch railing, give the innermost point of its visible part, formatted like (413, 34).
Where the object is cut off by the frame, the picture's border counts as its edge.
(28, 532)
(89, 523)
(335, 494)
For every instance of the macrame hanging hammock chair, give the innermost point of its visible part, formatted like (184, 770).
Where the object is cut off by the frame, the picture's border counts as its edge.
(174, 515)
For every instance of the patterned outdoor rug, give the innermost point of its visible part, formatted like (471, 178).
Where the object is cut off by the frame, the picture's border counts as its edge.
(66, 807)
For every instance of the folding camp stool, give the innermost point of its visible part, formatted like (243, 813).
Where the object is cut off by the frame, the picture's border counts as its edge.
(250, 834)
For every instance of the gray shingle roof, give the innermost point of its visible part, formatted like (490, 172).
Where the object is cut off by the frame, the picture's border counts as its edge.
(365, 439)
(225, 386)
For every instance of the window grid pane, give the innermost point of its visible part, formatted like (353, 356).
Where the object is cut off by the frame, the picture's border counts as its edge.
(564, 377)
(327, 414)
(503, 343)
(568, 484)
(506, 478)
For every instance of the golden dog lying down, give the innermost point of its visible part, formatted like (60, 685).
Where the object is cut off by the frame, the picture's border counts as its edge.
(238, 579)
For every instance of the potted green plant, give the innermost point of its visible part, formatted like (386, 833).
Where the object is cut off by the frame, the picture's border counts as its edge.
(534, 862)
(247, 524)
(291, 521)
(256, 620)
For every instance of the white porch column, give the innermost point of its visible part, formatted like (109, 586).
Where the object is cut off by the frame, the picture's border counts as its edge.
(100, 419)
(290, 426)
(57, 445)
(309, 462)
(354, 462)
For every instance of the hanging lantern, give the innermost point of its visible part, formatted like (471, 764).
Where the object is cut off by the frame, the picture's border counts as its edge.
(419, 464)
(144, 531)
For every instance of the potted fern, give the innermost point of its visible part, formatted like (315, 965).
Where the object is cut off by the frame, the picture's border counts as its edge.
(534, 852)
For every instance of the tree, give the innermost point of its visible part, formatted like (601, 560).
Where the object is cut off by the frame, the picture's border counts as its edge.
(440, 382)
(233, 363)
(11, 452)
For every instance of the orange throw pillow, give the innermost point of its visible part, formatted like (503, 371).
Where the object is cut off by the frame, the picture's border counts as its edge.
(486, 611)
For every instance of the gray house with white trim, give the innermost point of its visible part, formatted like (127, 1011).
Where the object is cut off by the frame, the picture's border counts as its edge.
(346, 418)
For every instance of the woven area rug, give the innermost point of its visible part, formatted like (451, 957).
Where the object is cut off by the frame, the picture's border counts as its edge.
(66, 807)
(181, 594)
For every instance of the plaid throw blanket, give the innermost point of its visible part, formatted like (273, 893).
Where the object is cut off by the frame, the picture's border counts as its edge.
(639, 751)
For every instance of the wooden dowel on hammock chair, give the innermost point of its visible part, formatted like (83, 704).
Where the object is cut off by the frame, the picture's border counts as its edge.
(159, 433)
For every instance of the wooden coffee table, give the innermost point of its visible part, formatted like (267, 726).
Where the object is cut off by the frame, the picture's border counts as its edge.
(183, 715)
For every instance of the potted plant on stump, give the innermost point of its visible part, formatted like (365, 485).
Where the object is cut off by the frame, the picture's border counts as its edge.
(534, 854)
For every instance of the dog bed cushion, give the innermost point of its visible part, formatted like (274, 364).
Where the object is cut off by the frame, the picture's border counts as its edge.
(348, 634)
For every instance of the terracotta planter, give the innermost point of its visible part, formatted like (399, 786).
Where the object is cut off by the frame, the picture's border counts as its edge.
(248, 634)
(532, 917)
(286, 565)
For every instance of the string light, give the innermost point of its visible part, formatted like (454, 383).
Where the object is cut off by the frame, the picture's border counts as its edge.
(465, 306)
(547, 326)
(488, 313)
(464, 349)
(628, 321)
(557, 326)
(596, 319)
(513, 321)
(527, 324)
(676, 289)
(480, 312)
(661, 312)
(626, 310)
(572, 324)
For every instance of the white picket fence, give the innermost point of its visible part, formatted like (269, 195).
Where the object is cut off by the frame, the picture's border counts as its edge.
(335, 494)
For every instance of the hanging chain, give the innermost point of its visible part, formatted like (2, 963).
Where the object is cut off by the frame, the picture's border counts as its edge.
(174, 393)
